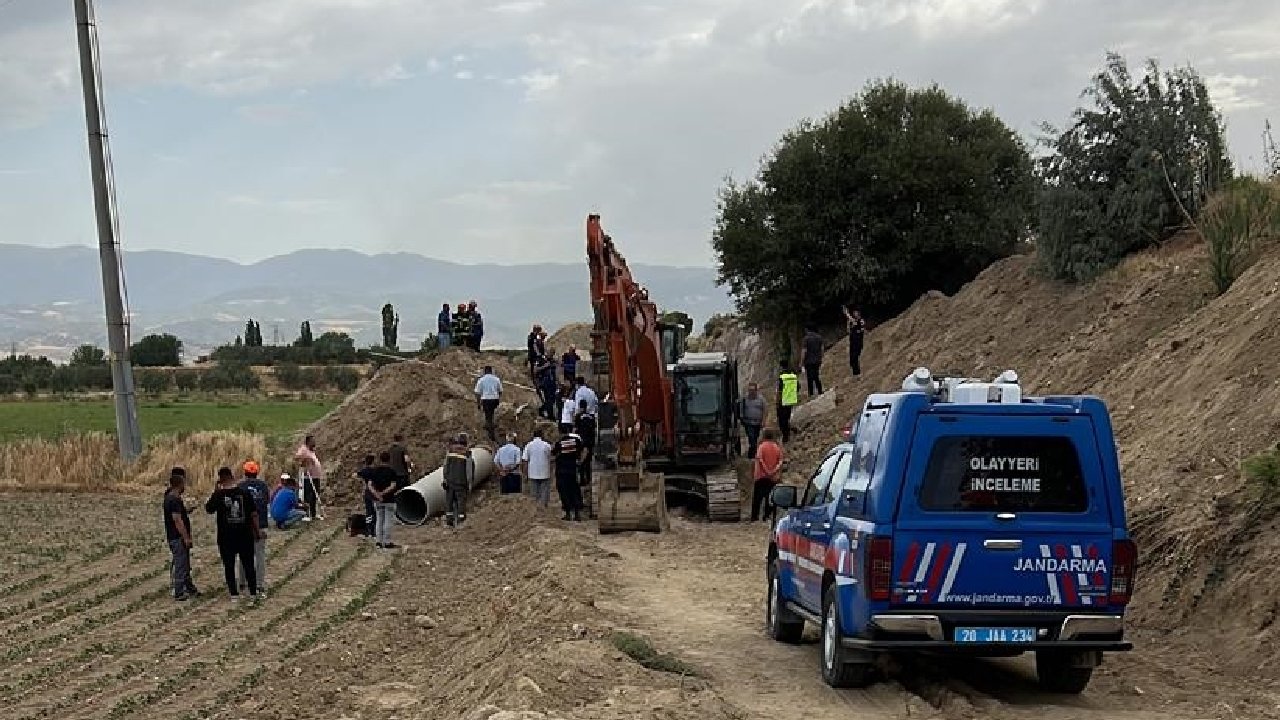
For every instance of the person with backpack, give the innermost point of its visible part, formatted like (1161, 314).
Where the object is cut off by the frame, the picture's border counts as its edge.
(257, 488)
(237, 523)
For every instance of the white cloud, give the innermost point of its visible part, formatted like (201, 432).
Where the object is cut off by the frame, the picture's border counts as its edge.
(464, 75)
(391, 74)
(1234, 92)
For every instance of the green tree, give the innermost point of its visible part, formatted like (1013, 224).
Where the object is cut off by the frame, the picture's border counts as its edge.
(186, 380)
(1130, 169)
(678, 317)
(157, 351)
(252, 334)
(390, 327)
(335, 348)
(154, 382)
(305, 339)
(88, 356)
(897, 192)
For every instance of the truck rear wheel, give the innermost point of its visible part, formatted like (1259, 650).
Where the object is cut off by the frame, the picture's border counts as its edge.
(837, 670)
(783, 625)
(1058, 672)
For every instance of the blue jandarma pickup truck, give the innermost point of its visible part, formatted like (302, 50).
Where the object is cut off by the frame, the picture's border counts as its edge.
(959, 517)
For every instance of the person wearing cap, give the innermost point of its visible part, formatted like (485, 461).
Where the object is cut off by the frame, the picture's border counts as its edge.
(286, 509)
(257, 488)
(477, 326)
(237, 522)
(177, 529)
(507, 460)
(459, 469)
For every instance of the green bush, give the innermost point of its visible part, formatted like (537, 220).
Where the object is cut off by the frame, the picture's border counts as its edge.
(640, 650)
(1234, 222)
(1263, 470)
(341, 377)
(186, 380)
(154, 382)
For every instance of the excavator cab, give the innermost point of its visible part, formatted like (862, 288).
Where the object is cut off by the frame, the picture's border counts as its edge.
(673, 342)
(701, 473)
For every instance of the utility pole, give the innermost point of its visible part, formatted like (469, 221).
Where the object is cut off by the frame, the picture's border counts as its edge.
(127, 431)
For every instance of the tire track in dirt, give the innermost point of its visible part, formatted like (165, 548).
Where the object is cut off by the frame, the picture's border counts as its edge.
(233, 633)
(116, 640)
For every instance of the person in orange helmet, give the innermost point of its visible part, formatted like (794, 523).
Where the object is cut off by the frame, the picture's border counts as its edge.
(477, 326)
(261, 494)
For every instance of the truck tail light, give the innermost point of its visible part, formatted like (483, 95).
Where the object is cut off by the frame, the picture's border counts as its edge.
(879, 568)
(1124, 559)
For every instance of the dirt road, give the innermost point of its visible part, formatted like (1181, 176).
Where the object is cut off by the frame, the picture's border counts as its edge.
(698, 592)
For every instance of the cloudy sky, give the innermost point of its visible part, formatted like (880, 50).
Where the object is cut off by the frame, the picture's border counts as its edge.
(486, 130)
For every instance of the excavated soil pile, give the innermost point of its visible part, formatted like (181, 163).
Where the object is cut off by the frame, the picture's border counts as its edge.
(496, 621)
(427, 402)
(1193, 383)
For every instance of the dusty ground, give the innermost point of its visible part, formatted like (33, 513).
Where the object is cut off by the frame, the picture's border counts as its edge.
(510, 617)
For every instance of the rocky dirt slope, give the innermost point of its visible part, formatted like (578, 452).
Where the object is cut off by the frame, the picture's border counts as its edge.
(1193, 382)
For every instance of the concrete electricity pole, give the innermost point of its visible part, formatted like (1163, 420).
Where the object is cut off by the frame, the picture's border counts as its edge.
(127, 431)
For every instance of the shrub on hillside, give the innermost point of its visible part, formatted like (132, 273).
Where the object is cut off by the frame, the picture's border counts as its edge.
(1129, 170)
(186, 380)
(897, 192)
(341, 377)
(1234, 222)
(1263, 470)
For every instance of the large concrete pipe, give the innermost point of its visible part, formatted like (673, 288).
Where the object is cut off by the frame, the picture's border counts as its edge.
(426, 498)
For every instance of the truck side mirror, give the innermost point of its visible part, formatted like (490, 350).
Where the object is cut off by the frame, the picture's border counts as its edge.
(783, 496)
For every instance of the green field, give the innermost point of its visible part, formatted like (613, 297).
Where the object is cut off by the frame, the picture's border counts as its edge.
(54, 418)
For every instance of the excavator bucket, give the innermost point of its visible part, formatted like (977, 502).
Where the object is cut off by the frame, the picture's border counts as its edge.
(625, 500)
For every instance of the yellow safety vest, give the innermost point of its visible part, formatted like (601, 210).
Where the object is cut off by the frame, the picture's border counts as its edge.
(790, 389)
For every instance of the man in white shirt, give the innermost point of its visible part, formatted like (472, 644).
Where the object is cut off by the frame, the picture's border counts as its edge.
(568, 414)
(537, 467)
(585, 393)
(488, 393)
(507, 460)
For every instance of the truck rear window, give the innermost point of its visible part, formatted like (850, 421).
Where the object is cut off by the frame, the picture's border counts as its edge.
(994, 473)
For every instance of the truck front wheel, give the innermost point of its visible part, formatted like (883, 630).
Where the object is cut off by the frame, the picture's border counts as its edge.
(837, 670)
(783, 625)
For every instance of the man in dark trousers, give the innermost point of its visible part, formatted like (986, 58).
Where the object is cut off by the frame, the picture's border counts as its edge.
(459, 468)
(537, 350)
(767, 471)
(812, 360)
(857, 331)
(477, 326)
(569, 364)
(462, 326)
(237, 521)
(788, 398)
(177, 529)
(488, 391)
(365, 476)
(548, 390)
(401, 463)
(257, 488)
(587, 429)
(751, 411)
(444, 327)
(568, 453)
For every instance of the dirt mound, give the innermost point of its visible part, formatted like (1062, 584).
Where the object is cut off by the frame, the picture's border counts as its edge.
(497, 621)
(578, 334)
(427, 402)
(1193, 383)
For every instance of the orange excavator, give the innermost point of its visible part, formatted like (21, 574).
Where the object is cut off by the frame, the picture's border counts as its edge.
(669, 422)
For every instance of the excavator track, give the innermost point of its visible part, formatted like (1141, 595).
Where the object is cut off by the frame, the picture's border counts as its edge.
(723, 501)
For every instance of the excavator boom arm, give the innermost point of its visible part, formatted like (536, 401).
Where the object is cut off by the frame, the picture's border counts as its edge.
(626, 331)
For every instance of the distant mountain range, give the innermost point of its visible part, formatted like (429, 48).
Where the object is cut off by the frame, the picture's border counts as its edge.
(51, 298)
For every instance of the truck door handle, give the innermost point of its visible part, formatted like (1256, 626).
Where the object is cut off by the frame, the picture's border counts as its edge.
(1002, 544)
(825, 526)
(806, 525)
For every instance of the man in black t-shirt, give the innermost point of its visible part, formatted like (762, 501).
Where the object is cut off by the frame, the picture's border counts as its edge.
(237, 521)
(568, 456)
(177, 529)
(382, 486)
(587, 430)
(400, 462)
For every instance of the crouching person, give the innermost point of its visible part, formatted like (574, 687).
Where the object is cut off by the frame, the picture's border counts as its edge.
(459, 468)
(286, 509)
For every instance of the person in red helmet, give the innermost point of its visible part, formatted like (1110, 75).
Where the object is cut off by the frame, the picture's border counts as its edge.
(462, 326)
(477, 326)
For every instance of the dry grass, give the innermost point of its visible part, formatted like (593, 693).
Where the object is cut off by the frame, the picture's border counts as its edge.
(90, 462)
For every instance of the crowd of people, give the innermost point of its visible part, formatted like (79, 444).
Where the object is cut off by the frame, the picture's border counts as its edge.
(463, 326)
